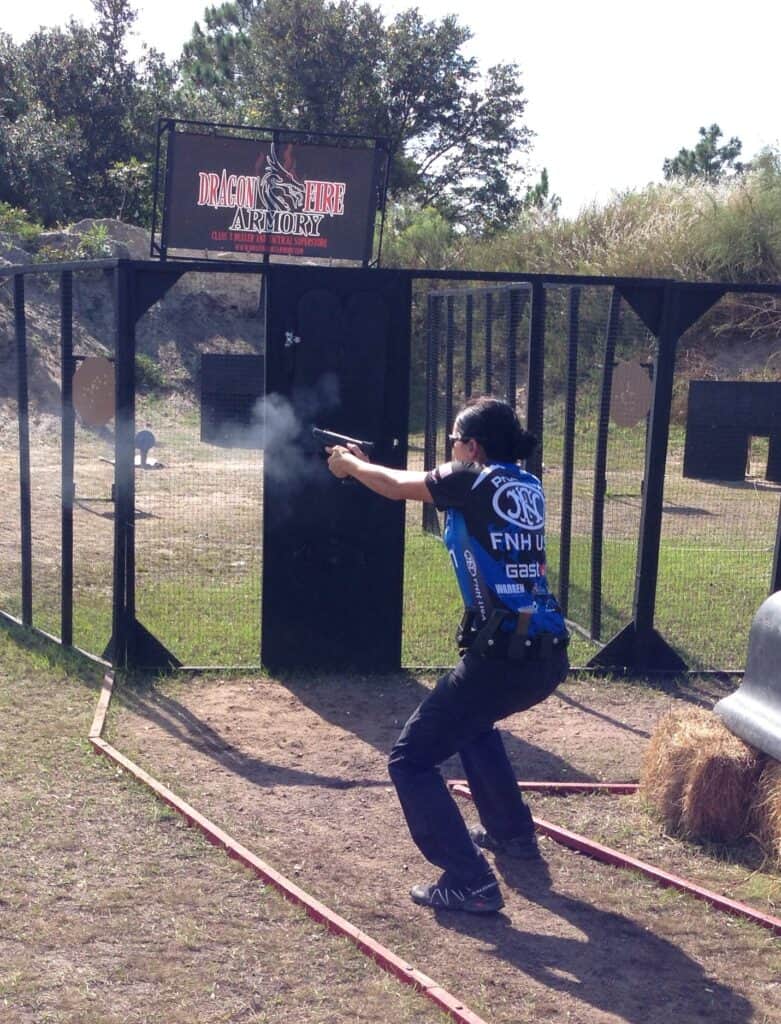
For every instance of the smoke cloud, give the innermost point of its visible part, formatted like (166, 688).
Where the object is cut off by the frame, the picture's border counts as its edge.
(285, 425)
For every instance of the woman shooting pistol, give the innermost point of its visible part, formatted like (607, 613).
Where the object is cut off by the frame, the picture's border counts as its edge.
(512, 640)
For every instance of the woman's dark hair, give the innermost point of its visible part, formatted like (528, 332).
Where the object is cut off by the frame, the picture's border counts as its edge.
(495, 425)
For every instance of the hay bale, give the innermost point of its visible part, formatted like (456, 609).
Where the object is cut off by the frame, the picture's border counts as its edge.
(721, 789)
(699, 777)
(666, 762)
(767, 810)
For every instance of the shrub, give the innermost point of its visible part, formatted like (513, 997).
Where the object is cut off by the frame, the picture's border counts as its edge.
(19, 223)
(94, 244)
(149, 374)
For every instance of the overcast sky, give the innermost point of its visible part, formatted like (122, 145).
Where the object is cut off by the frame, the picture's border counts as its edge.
(612, 87)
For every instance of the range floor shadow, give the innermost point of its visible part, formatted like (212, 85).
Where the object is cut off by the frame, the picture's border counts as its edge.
(614, 963)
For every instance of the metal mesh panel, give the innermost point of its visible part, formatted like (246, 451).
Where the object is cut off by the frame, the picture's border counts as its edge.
(431, 600)
(198, 504)
(608, 459)
(467, 340)
(93, 469)
(717, 537)
(624, 479)
(593, 587)
(86, 315)
(476, 340)
(44, 373)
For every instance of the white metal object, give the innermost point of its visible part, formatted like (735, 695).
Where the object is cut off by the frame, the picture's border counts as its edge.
(753, 712)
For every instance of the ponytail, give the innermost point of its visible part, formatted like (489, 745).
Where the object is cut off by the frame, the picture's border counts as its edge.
(495, 425)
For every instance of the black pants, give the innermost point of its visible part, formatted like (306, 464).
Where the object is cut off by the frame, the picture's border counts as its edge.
(458, 716)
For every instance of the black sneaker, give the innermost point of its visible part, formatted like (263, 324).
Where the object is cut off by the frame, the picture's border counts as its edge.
(482, 897)
(519, 848)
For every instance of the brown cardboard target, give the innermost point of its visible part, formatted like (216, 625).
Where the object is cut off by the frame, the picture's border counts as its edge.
(630, 397)
(93, 391)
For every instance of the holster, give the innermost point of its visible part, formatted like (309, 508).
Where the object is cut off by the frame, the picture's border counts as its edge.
(466, 631)
(518, 644)
(489, 641)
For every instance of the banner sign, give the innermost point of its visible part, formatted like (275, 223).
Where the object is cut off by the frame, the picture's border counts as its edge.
(252, 197)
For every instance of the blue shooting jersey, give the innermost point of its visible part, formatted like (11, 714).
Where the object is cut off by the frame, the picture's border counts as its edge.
(495, 533)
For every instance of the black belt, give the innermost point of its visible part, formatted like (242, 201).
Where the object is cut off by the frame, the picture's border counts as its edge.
(494, 640)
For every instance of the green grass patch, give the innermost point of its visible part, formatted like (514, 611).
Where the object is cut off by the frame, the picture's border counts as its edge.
(706, 599)
(432, 602)
(212, 624)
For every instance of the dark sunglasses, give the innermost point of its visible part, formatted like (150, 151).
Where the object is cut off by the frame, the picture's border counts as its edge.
(458, 437)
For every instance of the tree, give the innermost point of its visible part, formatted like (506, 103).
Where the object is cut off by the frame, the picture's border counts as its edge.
(417, 237)
(14, 86)
(538, 197)
(337, 66)
(77, 118)
(211, 59)
(708, 160)
(82, 75)
(35, 159)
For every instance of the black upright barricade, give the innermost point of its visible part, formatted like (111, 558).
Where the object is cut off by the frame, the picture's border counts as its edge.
(338, 352)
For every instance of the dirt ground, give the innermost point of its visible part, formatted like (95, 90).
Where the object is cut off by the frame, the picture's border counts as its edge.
(295, 770)
(114, 911)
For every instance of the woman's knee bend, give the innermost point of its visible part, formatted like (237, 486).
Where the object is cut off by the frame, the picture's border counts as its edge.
(401, 768)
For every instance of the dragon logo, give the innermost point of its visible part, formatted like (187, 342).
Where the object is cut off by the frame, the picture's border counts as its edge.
(279, 189)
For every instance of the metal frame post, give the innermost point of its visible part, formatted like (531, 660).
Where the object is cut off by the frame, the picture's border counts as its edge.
(600, 464)
(67, 456)
(488, 366)
(655, 466)
(124, 471)
(430, 520)
(468, 329)
(536, 376)
(568, 459)
(511, 347)
(450, 344)
(25, 488)
(639, 645)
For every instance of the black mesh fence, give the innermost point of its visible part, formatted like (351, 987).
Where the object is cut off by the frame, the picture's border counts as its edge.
(43, 372)
(198, 525)
(56, 508)
(89, 421)
(717, 537)
(593, 467)
(578, 359)
(719, 523)
(468, 339)
(196, 517)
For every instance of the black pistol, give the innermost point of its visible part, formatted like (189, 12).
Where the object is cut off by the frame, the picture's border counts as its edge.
(327, 438)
